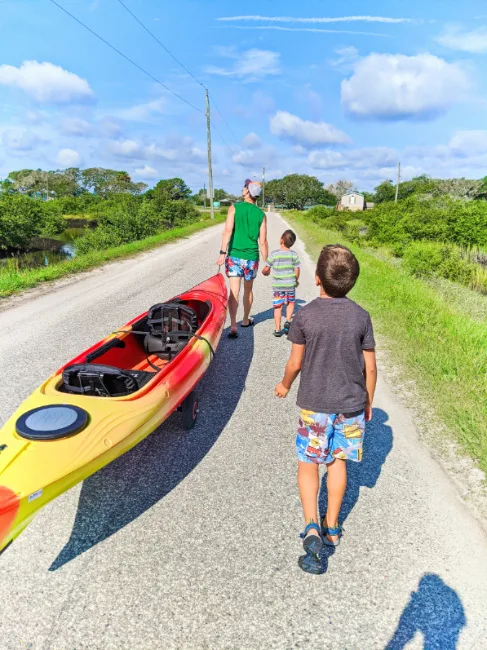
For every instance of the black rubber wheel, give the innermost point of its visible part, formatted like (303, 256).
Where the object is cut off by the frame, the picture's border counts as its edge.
(189, 410)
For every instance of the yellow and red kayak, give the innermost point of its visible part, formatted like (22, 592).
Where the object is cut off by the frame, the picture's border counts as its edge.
(106, 400)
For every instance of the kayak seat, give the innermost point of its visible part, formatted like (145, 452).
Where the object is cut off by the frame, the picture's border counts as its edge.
(102, 381)
(171, 327)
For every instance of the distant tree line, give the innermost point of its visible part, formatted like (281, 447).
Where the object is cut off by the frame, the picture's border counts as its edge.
(36, 203)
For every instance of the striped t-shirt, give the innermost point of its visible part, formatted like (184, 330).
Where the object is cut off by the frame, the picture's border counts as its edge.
(283, 263)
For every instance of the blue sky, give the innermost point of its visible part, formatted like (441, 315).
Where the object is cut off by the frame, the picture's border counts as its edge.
(305, 87)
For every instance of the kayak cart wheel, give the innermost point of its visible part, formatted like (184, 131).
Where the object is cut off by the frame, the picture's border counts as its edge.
(189, 411)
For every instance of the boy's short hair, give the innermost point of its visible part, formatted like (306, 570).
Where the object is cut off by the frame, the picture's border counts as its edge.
(288, 238)
(337, 270)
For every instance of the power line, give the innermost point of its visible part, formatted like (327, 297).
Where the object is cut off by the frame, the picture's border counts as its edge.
(166, 49)
(232, 153)
(223, 118)
(160, 43)
(127, 58)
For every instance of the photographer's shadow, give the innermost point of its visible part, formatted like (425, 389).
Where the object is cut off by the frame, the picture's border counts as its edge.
(435, 611)
(123, 490)
(377, 445)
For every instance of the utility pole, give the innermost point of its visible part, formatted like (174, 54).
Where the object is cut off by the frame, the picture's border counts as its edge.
(263, 188)
(398, 180)
(210, 171)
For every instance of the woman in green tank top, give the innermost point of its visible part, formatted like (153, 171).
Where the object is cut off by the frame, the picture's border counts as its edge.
(245, 232)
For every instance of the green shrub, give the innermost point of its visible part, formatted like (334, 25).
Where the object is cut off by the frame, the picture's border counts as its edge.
(53, 220)
(132, 219)
(103, 238)
(353, 230)
(424, 259)
(434, 219)
(21, 219)
(178, 213)
(76, 204)
(427, 259)
(336, 222)
(320, 212)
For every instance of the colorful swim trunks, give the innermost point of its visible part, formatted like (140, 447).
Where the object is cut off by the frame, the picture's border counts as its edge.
(238, 268)
(322, 437)
(281, 298)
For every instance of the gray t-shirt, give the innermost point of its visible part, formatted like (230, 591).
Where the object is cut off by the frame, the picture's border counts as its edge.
(335, 331)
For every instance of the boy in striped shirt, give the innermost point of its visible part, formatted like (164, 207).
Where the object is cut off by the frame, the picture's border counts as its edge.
(285, 266)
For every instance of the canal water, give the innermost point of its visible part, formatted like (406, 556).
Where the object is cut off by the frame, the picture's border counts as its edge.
(56, 249)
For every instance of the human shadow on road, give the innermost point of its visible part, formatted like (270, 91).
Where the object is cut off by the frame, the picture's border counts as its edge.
(125, 489)
(377, 445)
(268, 314)
(436, 611)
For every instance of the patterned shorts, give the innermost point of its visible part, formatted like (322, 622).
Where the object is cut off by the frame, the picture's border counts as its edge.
(284, 298)
(238, 268)
(322, 437)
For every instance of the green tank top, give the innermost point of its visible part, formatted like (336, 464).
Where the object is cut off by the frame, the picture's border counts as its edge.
(244, 242)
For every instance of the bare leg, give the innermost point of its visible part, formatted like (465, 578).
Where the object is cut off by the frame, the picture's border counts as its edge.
(309, 485)
(336, 482)
(277, 318)
(233, 301)
(289, 311)
(248, 299)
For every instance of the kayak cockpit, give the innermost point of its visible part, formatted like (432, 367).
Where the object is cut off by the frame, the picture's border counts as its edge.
(126, 363)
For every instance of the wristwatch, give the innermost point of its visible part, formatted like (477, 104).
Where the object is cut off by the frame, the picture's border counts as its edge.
(223, 252)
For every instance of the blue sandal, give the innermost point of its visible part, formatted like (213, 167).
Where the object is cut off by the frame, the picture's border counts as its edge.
(325, 530)
(312, 543)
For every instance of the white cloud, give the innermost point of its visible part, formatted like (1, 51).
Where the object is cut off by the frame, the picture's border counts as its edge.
(46, 82)
(175, 148)
(456, 38)
(468, 143)
(128, 149)
(321, 19)
(77, 127)
(395, 86)
(308, 134)
(68, 158)
(364, 158)
(146, 172)
(250, 65)
(143, 112)
(111, 127)
(313, 30)
(20, 139)
(346, 58)
(252, 141)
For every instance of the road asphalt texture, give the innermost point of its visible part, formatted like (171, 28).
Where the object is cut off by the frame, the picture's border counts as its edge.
(191, 539)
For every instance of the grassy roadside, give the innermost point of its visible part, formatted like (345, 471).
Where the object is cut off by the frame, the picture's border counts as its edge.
(13, 281)
(444, 349)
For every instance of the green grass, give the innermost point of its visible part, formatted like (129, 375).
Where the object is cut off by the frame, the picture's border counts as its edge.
(13, 280)
(443, 346)
(80, 217)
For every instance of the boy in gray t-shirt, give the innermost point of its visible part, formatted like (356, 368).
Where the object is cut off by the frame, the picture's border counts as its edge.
(333, 348)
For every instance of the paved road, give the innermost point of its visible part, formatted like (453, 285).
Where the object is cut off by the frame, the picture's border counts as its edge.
(191, 540)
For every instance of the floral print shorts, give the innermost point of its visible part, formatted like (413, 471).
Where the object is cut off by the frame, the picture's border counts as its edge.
(322, 437)
(237, 268)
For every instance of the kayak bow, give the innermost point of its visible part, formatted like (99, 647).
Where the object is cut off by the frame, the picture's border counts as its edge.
(105, 401)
